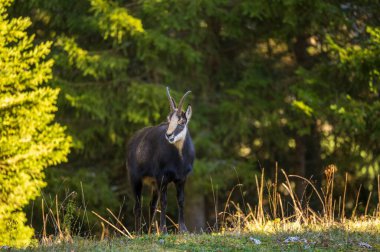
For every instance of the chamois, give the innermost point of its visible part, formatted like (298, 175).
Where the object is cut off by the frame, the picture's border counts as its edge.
(159, 155)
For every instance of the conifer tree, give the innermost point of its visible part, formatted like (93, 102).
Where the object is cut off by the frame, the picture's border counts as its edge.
(30, 139)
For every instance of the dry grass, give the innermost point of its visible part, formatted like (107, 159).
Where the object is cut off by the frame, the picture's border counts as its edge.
(302, 217)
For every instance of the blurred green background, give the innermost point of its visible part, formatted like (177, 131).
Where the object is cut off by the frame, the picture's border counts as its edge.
(288, 81)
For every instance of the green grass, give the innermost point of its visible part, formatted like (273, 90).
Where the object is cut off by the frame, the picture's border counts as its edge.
(331, 239)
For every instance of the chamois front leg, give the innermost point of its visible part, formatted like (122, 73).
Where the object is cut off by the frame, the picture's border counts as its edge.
(180, 186)
(163, 200)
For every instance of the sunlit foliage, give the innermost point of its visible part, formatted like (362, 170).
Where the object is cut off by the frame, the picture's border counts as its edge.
(30, 140)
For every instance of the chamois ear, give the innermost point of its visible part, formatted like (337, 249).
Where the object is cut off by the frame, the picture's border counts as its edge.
(188, 113)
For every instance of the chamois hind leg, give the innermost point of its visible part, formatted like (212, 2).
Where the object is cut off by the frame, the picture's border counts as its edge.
(137, 189)
(153, 207)
(163, 202)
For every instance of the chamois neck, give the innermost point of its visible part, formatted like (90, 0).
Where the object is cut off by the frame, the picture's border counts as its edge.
(179, 146)
(180, 143)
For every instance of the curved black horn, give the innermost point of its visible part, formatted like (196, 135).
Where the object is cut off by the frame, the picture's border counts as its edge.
(171, 100)
(181, 102)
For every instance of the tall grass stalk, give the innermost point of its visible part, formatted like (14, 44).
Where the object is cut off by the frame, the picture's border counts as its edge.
(300, 216)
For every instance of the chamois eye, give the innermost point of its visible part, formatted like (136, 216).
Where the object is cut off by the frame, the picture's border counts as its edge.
(182, 122)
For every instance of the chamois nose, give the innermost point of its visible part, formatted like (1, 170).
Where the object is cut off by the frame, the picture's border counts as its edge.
(170, 137)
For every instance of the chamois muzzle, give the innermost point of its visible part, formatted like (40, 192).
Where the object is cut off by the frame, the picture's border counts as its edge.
(170, 137)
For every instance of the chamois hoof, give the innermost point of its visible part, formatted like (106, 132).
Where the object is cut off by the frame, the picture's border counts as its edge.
(183, 229)
(163, 230)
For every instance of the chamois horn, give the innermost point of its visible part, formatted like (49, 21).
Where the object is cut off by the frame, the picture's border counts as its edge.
(171, 100)
(179, 109)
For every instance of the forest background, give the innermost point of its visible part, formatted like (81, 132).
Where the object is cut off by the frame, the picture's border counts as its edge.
(292, 82)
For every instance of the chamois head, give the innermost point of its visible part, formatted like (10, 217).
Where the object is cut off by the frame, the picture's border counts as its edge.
(177, 119)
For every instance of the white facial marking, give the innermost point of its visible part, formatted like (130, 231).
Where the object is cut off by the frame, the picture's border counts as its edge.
(181, 135)
(172, 124)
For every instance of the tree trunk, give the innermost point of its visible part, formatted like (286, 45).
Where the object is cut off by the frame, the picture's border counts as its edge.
(314, 165)
(300, 166)
(303, 59)
(195, 211)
